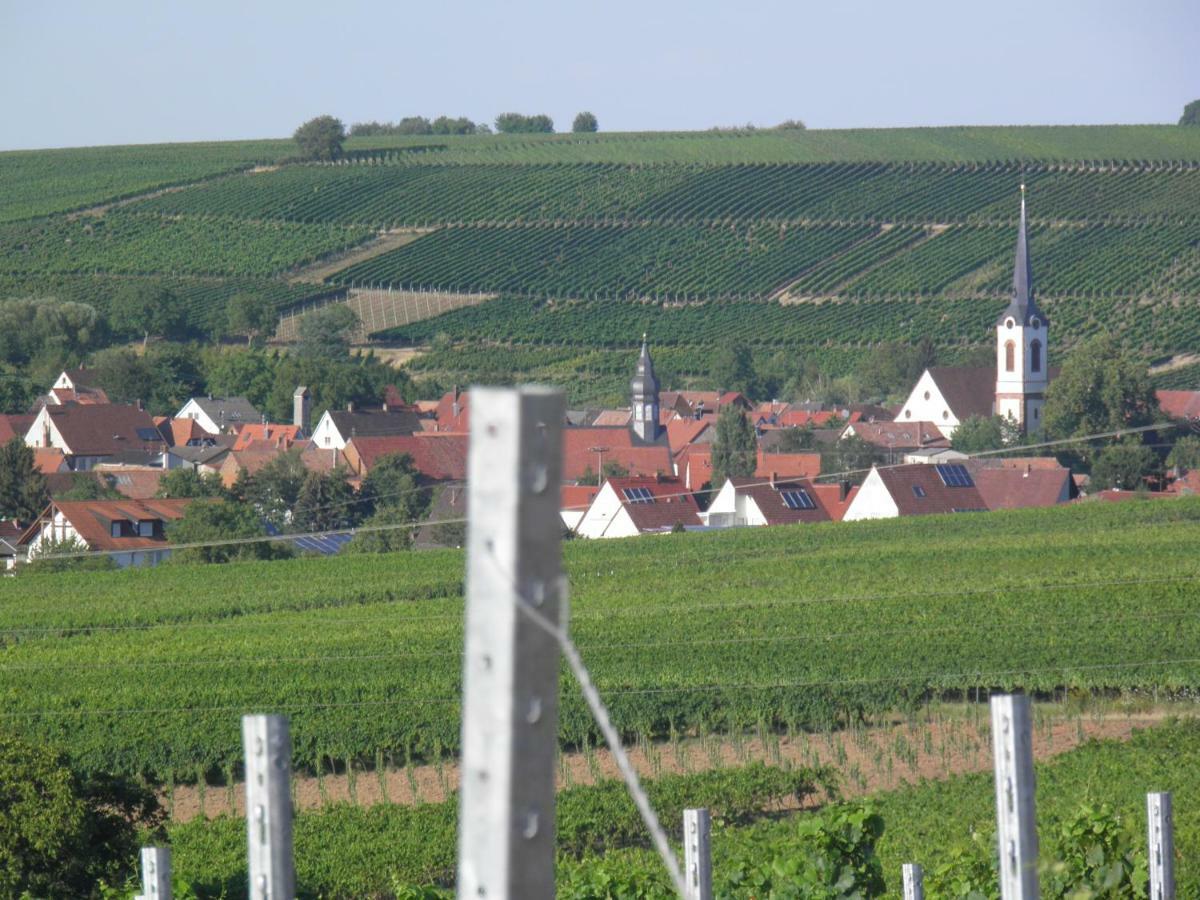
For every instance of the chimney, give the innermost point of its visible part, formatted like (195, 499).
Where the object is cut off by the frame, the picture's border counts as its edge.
(454, 408)
(843, 490)
(301, 408)
(350, 406)
(774, 476)
(138, 402)
(385, 406)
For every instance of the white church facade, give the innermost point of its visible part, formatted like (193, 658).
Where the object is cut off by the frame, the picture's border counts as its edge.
(1015, 387)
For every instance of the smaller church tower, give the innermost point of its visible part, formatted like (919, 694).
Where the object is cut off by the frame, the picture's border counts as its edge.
(1021, 341)
(644, 388)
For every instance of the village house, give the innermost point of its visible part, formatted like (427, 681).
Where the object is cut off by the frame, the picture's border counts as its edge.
(132, 532)
(217, 415)
(625, 507)
(90, 434)
(437, 457)
(336, 428)
(746, 501)
(75, 386)
(916, 490)
(893, 439)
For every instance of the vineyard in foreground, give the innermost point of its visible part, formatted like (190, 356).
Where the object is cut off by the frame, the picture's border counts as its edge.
(794, 628)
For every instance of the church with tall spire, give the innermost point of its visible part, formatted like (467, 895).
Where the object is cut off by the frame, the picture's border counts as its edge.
(644, 389)
(1021, 330)
(1015, 387)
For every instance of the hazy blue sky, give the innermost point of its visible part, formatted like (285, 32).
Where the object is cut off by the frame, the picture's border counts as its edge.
(134, 71)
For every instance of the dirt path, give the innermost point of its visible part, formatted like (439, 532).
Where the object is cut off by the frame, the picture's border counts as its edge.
(1178, 361)
(388, 240)
(868, 760)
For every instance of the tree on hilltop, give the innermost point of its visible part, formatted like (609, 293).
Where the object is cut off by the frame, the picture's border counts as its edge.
(516, 123)
(585, 122)
(1191, 114)
(146, 310)
(321, 138)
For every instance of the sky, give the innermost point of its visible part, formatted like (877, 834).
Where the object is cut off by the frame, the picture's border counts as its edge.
(75, 73)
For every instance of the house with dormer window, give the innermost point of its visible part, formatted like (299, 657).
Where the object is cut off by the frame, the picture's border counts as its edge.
(132, 532)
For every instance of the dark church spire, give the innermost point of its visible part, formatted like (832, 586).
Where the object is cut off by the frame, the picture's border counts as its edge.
(1022, 307)
(644, 388)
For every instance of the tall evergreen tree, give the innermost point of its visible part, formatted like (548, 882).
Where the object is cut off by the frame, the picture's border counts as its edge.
(22, 487)
(735, 450)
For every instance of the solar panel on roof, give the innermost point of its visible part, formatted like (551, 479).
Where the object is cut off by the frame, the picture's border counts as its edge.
(797, 499)
(918, 491)
(638, 495)
(955, 475)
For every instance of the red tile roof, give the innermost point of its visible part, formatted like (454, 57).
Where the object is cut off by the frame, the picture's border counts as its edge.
(281, 435)
(450, 420)
(578, 497)
(835, 499)
(440, 457)
(933, 497)
(682, 432)
(14, 426)
(49, 460)
(580, 454)
(769, 500)
(105, 430)
(1009, 488)
(1179, 404)
(787, 465)
(900, 435)
(136, 483)
(93, 520)
(672, 504)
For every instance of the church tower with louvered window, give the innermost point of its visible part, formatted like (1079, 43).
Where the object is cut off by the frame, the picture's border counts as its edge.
(644, 390)
(1021, 343)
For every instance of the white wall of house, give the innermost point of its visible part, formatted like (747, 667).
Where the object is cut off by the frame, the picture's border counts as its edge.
(191, 410)
(873, 501)
(44, 433)
(59, 528)
(732, 508)
(606, 517)
(63, 382)
(926, 404)
(326, 435)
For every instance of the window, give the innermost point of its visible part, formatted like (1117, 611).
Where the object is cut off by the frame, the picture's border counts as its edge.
(1035, 412)
(1035, 356)
(797, 499)
(638, 495)
(1035, 323)
(918, 491)
(945, 414)
(954, 475)
(1010, 356)
(1009, 323)
(146, 528)
(927, 395)
(908, 414)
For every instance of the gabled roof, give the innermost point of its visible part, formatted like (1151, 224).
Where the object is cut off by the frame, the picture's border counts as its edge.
(577, 497)
(682, 432)
(14, 426)
(1179, 404)
(93, 520)
(135, 482)
(581, 452)
(85, 395)
(49, 460)
(178, 432)
(932, 494)
(835, 498)
(787, 465)
(280, 435)
(453, 411)
(770, 501)
(83, 378)
(1011, 488)
(439, 457)
(106, 430)
(967, 390)
(371, 422)
(670, 505)
(900, 435)
(228, 412)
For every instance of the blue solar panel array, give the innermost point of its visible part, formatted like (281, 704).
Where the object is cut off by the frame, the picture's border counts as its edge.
(955, 475)
(638, 495)
(797, 499)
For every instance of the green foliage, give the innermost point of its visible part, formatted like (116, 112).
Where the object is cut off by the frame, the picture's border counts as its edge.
(77, 558)
(735, 449)
(1124, 465)
(828, 857)
(250, 314)
(585, 123)
(22, 487)
(516, 123)
(221, 520)
(1101, 387)
(145, 309)
(388, 530)
(325, 333)
(325, 501)
(163, 377)
(274, 489)
(321, 138)
(850, 456)
(91, 486)
(60, 833)
(393, 481)
(733, 370)
(1185, 453)
(334, 383)
(239, 372)
(977, 434)
(1191, 114)
(47, 327)
(893, 367)
(177, 484)
(267, 622)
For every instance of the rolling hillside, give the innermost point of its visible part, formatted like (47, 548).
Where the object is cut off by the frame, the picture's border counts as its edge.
(815, 243)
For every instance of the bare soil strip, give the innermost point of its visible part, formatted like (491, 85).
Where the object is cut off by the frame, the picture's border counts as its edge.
(866, 761)
(330, 265)
(379, 310)
(1178, 361)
